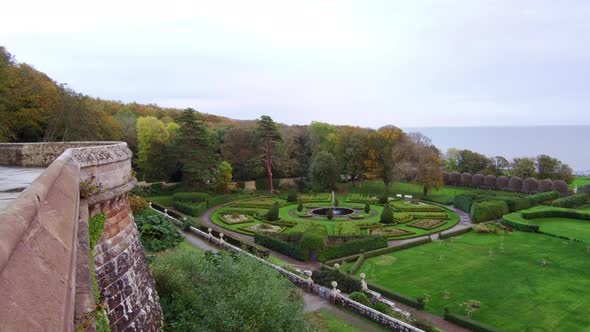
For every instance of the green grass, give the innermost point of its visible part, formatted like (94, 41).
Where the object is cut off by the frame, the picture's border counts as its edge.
(331, 321)
(570, 228)
(580, 181)
(516, 291)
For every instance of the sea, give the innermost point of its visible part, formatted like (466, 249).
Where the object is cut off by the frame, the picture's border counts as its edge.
(570, 144)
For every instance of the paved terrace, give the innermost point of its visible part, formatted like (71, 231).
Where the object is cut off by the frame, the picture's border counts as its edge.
(13, 180)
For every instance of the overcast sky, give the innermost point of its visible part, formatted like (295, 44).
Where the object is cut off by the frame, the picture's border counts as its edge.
(368, 63)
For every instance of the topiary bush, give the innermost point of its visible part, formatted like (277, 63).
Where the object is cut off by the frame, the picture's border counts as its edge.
(515, 184)
(560, 186)
(488, 210)
(367, 208)
(384, 198)
(545, 185)
(490, 181)
(477, 180)
(455, 178)
(273, 212)
(466, 179)
(446, 177)
(502, 182)
(292, 196)
(300, 207)
(330, 214)
(544, 197)
(387, 215)
(530, 185)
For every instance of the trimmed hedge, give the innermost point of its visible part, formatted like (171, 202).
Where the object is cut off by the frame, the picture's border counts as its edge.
(273, 212)
(326, 275)
(463, 202)
(488, 210)
(543, 197)
(387, 215)
(571, 201)
(192, 209)
(469, 323)
(382, 251)
(281, 246)
(357, 265)
(518, 220)
(194, 197)
(352, 247)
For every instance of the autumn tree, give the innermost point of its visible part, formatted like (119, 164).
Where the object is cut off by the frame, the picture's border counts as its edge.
(268, 136)
(381, 157)
(429, 163)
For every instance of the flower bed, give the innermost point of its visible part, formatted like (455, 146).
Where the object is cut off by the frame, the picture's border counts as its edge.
(390, 232)
(427, 223)
(234, 219)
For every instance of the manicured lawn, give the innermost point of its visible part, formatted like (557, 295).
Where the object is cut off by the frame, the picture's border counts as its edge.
(570, 228)
(517, 292)
(580, 182)
(161, 200)
(331, 321)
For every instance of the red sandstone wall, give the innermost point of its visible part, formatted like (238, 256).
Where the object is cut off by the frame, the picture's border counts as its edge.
(44, 277)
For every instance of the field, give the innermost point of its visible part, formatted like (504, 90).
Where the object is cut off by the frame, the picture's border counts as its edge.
(535, 283)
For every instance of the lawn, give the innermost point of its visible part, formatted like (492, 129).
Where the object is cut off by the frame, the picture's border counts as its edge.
(580, 181)
(570, 228)
(444, 195)
(331, 320)
(517, 292)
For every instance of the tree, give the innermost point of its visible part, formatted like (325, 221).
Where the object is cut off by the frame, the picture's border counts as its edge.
(472, 162)
(523, 168)
(322, 137)
(239, 148)
(367, 208)
(268, 136)
(382, 155)
(352, 151)
(152, 138)
(324, 171)
(451, 160)
(195, 150)
(224, 176)
(429, 164)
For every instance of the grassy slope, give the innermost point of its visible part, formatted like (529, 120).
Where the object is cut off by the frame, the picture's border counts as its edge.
(570, 228)
(516, 291)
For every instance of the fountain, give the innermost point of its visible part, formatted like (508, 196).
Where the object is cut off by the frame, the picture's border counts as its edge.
(338, 211)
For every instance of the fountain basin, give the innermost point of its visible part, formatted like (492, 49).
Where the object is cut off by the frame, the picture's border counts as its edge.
(337, 211)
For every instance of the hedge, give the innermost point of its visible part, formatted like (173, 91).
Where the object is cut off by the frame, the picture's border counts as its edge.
(281, 246)
(262, 184)
(353, 247)
(571, 201)
(517, 204)
(194, 197)
(457, 232)
(382, 251)
(417, 303)
(463, 202)
(518, 220)
(488, 210)
(468, 323)
(192, 209)
(542, 197)
(357, 265)
(326, 275)
(250, 247)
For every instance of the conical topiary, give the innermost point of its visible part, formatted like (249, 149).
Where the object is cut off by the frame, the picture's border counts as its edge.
(367, 207)
(300, 207)
(273, 212)
(330, 214)
(387, 215)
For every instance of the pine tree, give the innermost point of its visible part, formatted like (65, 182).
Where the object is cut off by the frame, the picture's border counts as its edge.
(269, 135)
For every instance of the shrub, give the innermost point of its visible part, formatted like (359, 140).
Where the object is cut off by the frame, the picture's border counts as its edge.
(384, 198)
(292, 197)
(223, 305)
(156, 232)
(330, 214)
(284, 247)
(542, 197)
(515, 183)
(463, 202)
(262, 184)
(502, 182)
(194, 197)
(446, 177)
(560, 186)
(545, 185)
(571, 201)
(490, 181)
(353, 246)
(346, 284)
(530, 185)
(367, 208)
(455, 178)
(273, 212)
(192, 209)
(300, 207)
(466, 179)
(137, 203)
(517, 203)
(387, 215)
(488, 210)
(382, 307)
(477, 180)
(360, 298)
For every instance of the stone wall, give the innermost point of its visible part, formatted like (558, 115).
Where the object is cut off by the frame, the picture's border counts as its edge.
(42, 237)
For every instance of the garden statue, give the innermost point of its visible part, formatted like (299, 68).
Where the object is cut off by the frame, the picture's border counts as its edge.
(308, 273)
(335, 291)
(575, 190)
(364, 283)
(221, 241)
(337, 266)
(209, 235)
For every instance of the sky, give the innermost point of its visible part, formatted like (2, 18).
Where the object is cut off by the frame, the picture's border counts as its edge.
(366, 63)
